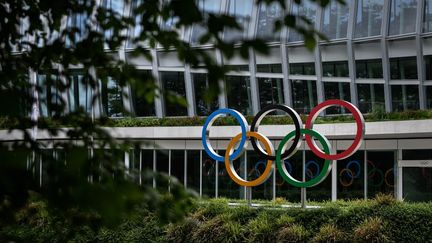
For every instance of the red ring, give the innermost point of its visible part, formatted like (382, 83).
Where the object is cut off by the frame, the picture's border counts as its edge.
(358, 137)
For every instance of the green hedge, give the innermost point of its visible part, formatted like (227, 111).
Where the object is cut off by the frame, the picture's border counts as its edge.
(379, 220)
(6, 122)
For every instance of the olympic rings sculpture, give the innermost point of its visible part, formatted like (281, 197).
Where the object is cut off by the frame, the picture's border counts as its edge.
(283, 152)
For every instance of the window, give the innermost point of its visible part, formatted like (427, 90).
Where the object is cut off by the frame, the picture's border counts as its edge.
(242, 10)
(308, 10)
(142, 96)
(370, 97)
(162, 166)
(226, 186)
(350, 182)
(193, 169)
(269, 68)
(336, 90)
(50, 103)
(204, 105)
(304, 95)
(335, 21)
(208, 175)
(177, 165)
(369, 18)
(137, 29)
(429, 97)
(117, 7)
(206, 6)
(369, 68)
(302, 68)
(403, 68)
(381, 172)
(267, 16)
(80, 93)
(238, 93)
(335, 69)
(174, 93)
(405, 97)
(427, 20)
(112, 100)
(270, 91)
(402, 16)
(428, 63)
(77, 20)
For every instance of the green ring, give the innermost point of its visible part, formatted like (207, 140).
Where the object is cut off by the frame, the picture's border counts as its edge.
(314, 181)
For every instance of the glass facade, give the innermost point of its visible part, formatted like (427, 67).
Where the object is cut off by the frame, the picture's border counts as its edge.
(429, 97)
(335, 20)
(369, 68)
(405, 97)
(206, 6)
(267, 16)
(204, 105)
(335, 69)
(270, 91)
(427, 19)
(269, 68)
(402, 16)
(336, 90)
(304, 95)
(50, 95)
(174, 93)
(428, 67)
(403, 68)
(238, 94)
(241, 10)
(80, 95)
(370, 97)
(308, 10)
(350, 171)
(369, 18)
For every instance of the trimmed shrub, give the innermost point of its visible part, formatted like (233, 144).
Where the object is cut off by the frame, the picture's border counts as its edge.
(293, 233)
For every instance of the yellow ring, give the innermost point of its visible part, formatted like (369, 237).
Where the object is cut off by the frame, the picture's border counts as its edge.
(229, 166)
(340, 178)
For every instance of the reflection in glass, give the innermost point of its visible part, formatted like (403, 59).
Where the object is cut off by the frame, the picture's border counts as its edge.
(208, 176)
(241, 10)
(201, 85)
(370, 97)
(50, 100)
(206, 6)
(304, 94)
(270, 91)
(381, 172)
(417, 184)
(369, 18)
(177, 165)
(78, 21)
(337, 90)
(174, 89)
(238, 93)
(402, 16)
(313, 166)
(428, 67)
(306, 9)
(403, 68)
(146, 167)
(302, 68)
(350, 176)
(227, 187)
(405, 97)
(369, 68)
(335, 21)
(335, 69)
(193, 169)
(255, 167)
(80, 93)
(294, 165)
(116, 6)
(429, 97)
(267, 16)
(112, 100)
(138, 28)
(427, 20)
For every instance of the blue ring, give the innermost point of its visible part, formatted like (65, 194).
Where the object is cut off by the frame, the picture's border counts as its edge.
(244, 128)
(357, 175)
(316, 165)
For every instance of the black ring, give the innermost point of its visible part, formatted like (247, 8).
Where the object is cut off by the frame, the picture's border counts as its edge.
(297, 123)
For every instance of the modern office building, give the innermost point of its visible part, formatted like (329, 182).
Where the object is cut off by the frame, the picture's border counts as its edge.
(378, 56)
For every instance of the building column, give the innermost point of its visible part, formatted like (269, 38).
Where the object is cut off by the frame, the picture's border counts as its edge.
(385, 57)
(350, 51)
(254, 89)
(318, 64)
(421, 73)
